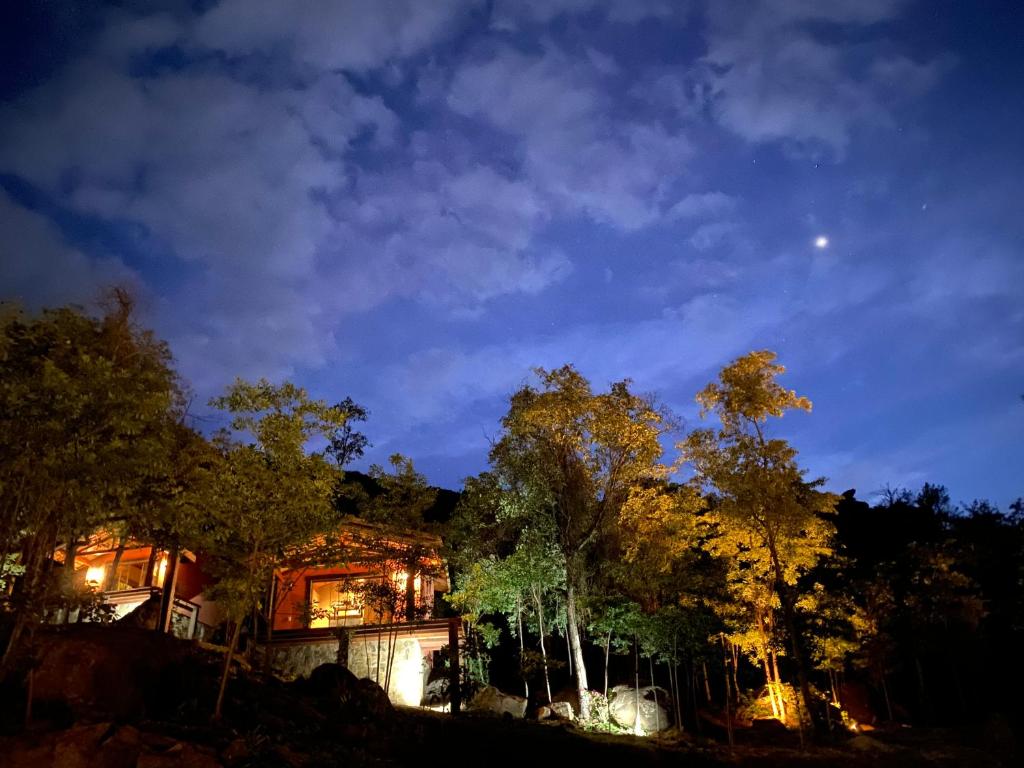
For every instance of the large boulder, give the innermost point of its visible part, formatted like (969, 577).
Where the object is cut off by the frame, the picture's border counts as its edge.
(122, 672)
(652, 717)
(491, 700)
(353, 698)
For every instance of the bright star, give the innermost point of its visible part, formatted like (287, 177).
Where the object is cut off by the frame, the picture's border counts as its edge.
(821, 242)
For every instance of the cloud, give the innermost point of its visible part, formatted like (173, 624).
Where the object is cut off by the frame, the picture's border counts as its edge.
(573, 144)
(702, 205)
(34, 252)
(331, 35)
(771, 77)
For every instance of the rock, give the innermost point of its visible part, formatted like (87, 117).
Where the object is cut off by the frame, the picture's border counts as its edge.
(768, 726)
(181, 755)
(543, 713)
(490, 699)
(118, 672)
(237, 751)
(76, 747)
(436, 693)
(351, 697)
(652, 717)
(563, 710)
(121, 750)
(144, 615)
(373, 702)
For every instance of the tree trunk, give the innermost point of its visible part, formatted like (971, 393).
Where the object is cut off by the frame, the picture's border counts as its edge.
(576, 650)
(149, 579)
(779, 692)
(228, 657)
(769, 683)
(410, 596)
(163, 624)
(543, 650)
(707, 685)
(268, 652)
(796, 641)
(637, 730)
(522, 646)
(70, 554)
(607, 657)
(888, 703)
(110, 583)
(728, 705)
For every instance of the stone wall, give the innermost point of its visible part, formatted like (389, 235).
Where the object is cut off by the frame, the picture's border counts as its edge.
(407, 669)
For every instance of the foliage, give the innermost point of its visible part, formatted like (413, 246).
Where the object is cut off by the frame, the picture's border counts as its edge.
(90, 408)
(270, 494)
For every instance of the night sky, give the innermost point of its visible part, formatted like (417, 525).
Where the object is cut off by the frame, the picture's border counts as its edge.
(413, 202)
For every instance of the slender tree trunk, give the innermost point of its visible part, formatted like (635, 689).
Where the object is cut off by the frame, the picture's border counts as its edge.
(769, 682)
(783, 707)
(410, 596)
(885, 694)
(657, 704)
(228, 658)
(707, 685)
(637, 730)
(577, 652)
(268, 652)
(110, 583)
(543, 651)
(692, 684)
(522, 646)
(70, 555)
(149, 579)
(607, 658)
(728, 706)
(925, 709)
(735, 674)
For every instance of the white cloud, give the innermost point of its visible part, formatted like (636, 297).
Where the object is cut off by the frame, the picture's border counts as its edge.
(40, 269)
(770, 78)
(332, 34)
(574, 147)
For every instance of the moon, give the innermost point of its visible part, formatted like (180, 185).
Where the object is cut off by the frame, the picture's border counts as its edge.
(821, 242)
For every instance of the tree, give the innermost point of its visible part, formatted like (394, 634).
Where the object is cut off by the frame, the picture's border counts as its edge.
(767, 514)
(345, 444)
(573, 459)
(271, 494)
(90, 410)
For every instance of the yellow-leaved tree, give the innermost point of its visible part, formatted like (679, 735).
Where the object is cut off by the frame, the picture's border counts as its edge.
(771, 522)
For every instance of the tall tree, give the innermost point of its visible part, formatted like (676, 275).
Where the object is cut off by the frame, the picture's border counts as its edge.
(272, 495)
(576, 458)
(767, 512)
(90, 410)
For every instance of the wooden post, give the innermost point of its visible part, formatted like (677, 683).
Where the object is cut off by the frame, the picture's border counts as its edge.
(163, 624)
(454, 693)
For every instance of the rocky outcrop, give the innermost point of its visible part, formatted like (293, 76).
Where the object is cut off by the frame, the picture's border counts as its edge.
(124, 673)
(491, 700)
(652, 717)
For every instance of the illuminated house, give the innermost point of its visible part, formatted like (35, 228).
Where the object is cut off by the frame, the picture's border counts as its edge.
(133, 575)
(376, 600)
(364, 589)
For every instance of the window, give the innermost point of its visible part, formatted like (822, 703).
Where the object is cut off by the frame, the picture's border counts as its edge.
(336, 602)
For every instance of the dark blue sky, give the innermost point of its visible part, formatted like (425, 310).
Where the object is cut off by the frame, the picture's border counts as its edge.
(412, 203)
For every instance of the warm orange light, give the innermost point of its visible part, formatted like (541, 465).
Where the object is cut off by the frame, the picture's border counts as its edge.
(94, 575)
(161, 570)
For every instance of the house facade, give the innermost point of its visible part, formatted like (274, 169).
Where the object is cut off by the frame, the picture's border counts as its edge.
(368, 599)
(375, 608)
